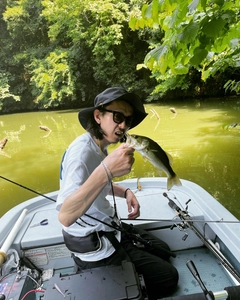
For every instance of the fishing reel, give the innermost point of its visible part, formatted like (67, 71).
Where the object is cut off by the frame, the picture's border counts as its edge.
(182, 214)
(181, 227)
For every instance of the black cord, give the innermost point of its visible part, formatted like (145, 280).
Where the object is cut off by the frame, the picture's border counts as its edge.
(114, 202)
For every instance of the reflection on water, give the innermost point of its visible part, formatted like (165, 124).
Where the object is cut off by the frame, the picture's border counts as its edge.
(202, 138)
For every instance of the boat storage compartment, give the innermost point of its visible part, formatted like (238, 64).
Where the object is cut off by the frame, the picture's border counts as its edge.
(43, 235)
(43, 245)
(111, 282)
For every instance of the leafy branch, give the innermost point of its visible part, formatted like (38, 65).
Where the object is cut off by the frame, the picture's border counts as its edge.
(203, 35)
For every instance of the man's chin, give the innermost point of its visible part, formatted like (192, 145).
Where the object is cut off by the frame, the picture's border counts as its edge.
(116, 139)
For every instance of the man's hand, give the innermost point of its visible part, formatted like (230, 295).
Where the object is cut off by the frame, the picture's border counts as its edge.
(120, 161)
(133, 205)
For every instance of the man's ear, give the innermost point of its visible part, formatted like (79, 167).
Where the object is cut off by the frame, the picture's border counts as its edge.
(97, 115)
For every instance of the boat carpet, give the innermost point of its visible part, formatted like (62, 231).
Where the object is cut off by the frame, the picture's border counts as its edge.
(210, 270)
(212, 273)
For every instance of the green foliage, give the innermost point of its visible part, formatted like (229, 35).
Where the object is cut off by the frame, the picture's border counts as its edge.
(203, 35)
(5, 94)
(60, 53)
(96, 26)
(57, 54)
(99, 43)
(232, 85)
(23, 35)
(52, 76)
(25, 23)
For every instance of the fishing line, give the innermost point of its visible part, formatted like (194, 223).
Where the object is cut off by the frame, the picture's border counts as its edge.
(124, 219)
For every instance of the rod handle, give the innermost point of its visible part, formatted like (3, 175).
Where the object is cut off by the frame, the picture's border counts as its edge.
(10, 238)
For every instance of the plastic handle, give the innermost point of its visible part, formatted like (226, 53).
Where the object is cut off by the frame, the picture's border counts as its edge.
(8, 242)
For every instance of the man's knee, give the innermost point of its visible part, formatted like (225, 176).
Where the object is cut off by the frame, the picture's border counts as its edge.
(162, 286)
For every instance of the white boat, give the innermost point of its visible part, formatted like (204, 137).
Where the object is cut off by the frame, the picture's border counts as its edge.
(202, 233)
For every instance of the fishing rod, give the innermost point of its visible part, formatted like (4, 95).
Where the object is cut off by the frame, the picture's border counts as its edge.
(123, 219)
(130, 234)
(49, 198)
(27, 188)
(187, 220)
(175, 220)
(183, 216)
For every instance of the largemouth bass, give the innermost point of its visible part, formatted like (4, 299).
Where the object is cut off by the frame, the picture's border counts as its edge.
(155, 154)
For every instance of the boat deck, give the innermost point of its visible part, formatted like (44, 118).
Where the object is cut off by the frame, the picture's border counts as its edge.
(210, 270)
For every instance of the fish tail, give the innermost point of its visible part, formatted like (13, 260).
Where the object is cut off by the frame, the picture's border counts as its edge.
(171, 181)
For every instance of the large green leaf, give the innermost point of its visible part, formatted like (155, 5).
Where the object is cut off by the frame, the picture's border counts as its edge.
(198, 57)
(179, 69)
(189, 33)
(157, 53)
(155, 11)
(179, 14)
(214, 27)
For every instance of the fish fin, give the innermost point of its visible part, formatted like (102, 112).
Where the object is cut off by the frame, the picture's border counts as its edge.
(153, 150)
(171, 181)
(145, 158)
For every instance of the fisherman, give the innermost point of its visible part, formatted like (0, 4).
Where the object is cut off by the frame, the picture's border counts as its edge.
(92, 229)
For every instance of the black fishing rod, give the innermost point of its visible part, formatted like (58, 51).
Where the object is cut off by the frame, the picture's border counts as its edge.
(27, 188)
(176, 221)
(123, 219)
(49, 198)
(187, 220)
(132, 236)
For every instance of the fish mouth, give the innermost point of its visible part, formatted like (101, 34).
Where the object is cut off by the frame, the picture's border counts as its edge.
(124, 138)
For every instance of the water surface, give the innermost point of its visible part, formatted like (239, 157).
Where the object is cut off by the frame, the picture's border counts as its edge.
(202, 137)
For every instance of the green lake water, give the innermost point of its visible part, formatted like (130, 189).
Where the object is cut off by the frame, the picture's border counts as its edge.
(203, 138)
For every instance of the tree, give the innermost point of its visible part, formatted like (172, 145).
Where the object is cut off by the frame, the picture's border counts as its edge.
(6, 95)
(63, 55)
(198, 36)
(99, 47)
(25, 37)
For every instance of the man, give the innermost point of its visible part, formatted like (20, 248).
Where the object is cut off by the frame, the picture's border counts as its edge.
(90, 223)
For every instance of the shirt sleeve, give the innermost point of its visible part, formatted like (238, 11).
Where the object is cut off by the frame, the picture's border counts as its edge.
(74, 173)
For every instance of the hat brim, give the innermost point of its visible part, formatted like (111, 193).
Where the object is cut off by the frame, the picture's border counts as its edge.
(85, 114)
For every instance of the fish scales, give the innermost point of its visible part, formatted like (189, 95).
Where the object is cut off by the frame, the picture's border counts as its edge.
(156, 156)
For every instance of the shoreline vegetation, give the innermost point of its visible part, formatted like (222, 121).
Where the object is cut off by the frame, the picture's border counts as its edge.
(55, 56)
